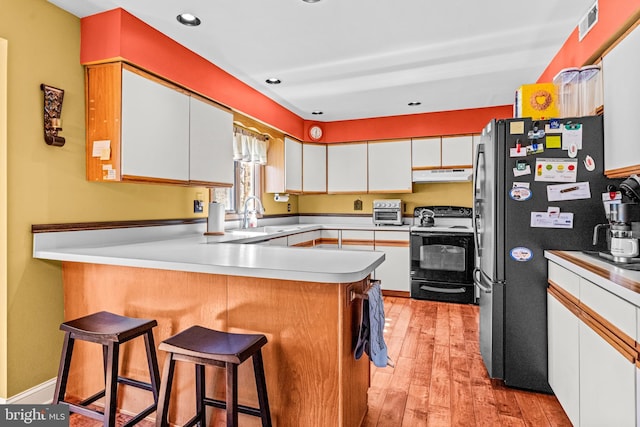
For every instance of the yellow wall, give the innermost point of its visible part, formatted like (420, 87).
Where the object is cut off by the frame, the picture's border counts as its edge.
(445, 194)
(47, 185)
(3, 216)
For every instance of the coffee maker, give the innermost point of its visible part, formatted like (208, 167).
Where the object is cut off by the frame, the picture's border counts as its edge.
(624, 225)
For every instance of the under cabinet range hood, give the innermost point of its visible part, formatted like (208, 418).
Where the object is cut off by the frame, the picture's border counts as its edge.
(442, 175)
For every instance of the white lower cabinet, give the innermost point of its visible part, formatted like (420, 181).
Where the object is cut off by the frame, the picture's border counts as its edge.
(329, 239)
(278, 241)
(394, 271)
(306, 239)
(591, 351)
(357, 240)
(607, 383)
(564, 359)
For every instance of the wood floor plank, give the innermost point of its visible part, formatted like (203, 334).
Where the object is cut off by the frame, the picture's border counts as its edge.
(505, 400)
(532, 413)
(439, 418)
(462, 411)
(440, 392)
(415, 412)
(442, 325)
(553, 411)
(402, 374)
(393, 408)
(484, 403)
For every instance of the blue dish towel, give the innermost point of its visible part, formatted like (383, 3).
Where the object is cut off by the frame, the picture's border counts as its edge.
(371, 338)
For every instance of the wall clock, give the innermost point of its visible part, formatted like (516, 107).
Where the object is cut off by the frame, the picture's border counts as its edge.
(315, 132)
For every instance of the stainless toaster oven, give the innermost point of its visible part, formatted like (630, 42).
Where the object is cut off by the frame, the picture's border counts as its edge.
(387, 212)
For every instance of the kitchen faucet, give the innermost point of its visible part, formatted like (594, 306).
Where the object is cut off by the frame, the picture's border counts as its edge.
(245, 219)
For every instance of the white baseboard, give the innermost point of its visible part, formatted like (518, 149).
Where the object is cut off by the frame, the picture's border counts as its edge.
(41, 394)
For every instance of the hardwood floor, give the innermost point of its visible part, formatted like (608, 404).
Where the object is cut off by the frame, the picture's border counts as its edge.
(439, 378)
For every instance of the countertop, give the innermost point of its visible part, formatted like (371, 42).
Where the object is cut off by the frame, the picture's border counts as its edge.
(187, 249)
(621, 282)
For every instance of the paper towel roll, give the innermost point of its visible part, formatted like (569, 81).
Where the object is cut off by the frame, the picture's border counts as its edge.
(281, 197)
(215, 221)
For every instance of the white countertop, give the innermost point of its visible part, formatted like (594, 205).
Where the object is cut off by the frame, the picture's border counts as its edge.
(185, 248)
(619, 281)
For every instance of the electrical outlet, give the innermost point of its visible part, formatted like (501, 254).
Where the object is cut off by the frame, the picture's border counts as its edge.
(288, 207)
(198, 206)
(357, 205)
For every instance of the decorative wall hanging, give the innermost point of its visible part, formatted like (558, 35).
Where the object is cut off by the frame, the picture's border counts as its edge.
(52, 110)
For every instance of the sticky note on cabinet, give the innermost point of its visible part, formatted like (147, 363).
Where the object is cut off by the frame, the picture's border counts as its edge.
(101, 149)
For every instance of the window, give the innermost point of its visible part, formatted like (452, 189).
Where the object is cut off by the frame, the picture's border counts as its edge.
(247, 182)
(249, 154)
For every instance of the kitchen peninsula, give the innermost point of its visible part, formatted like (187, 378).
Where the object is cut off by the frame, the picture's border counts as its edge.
(304, 301)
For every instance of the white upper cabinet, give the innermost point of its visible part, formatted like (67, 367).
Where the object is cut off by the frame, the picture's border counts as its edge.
(457, 151)
(211, 144)
(389, 166)
(621, 88)
(425, 153)
(292, 166)
(347, 168)
(155, 129)
(314, 168)
(445, 152)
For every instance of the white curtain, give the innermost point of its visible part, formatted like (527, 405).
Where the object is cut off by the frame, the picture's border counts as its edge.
(249, 147)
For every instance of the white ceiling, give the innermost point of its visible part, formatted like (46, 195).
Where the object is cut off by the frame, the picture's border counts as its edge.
(368, 58)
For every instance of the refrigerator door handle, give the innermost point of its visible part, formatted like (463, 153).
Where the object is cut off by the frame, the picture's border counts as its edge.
(477, 280)
(476, 216)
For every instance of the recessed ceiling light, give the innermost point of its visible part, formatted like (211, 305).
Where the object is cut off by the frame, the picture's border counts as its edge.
(188, 19)
(273, 81)
(414, 103)
(317, 113)
(311, 1)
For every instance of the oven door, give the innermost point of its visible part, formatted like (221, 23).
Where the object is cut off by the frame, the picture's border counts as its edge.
(387, 216)
(442, 257)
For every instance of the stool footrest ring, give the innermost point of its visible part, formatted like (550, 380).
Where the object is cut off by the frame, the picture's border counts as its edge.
(241, 408)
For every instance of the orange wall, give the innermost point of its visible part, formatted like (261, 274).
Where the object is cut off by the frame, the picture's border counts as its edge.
(116, 34)
(414, 125)
(614, 17)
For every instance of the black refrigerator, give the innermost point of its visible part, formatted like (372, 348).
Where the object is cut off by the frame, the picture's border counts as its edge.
(537, 185)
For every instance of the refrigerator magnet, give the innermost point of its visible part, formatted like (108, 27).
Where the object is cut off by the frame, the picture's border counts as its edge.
(521, 254)
(520, 194)
(589, 163)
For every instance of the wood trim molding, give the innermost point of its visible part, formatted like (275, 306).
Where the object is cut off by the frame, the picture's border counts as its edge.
(632, 285)
(150, 180)
(627, 352)
(570, 304)
(327, 241)
(426, 168)
(106, 225)
(622, 172)
(195, 183)
(401, 294)
(357, 242)
(392, 243)
(307, 244)
(624, 344)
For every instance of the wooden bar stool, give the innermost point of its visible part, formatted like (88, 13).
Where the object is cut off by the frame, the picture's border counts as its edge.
(109, 330)
(203, 346)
